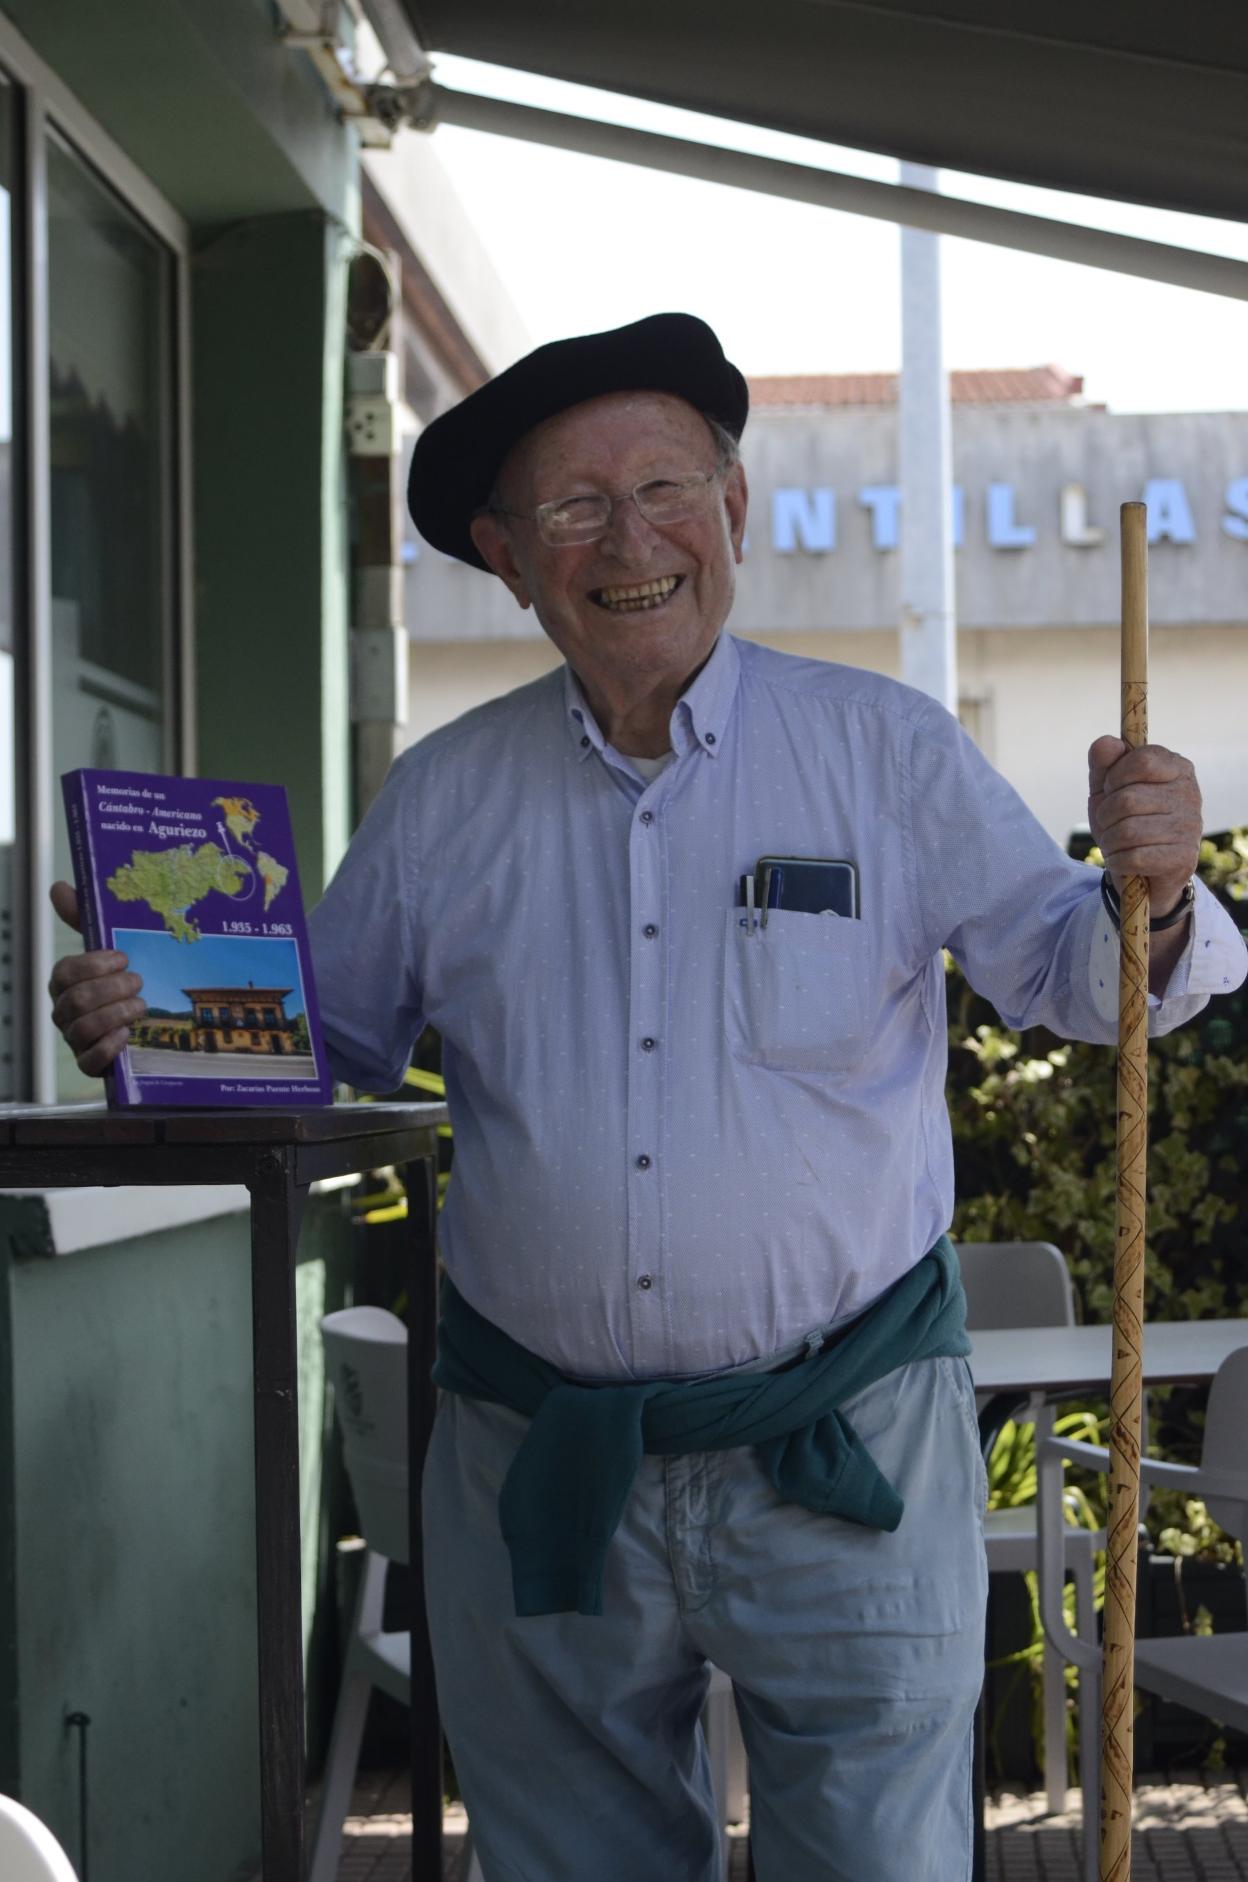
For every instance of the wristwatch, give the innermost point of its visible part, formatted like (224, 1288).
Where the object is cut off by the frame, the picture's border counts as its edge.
(1113, 906)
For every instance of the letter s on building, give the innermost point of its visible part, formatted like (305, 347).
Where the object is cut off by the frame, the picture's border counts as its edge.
(1235, 523)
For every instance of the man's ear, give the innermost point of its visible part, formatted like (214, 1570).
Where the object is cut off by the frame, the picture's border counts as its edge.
(736, 502)
(493, 542)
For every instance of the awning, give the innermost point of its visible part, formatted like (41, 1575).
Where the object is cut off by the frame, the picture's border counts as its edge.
(1142, 100)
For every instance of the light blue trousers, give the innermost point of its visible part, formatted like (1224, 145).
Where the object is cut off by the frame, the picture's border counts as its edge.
(856, 1658)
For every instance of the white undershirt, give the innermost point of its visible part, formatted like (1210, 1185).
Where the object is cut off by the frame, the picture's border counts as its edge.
(650, 768)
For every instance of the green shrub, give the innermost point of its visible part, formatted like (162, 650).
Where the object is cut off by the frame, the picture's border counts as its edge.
(1034, 1125)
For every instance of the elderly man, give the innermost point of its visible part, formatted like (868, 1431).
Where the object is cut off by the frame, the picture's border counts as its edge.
(706, 1399)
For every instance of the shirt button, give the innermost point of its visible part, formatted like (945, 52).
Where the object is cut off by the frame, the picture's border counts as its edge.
(585, 740)
(645, 1282)
(710, 738)
(647, 816)
(647, 1045)
(650, 930)
(643, 1161)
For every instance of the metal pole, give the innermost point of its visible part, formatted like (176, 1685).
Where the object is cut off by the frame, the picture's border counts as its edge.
(833, 189)
(929, 653)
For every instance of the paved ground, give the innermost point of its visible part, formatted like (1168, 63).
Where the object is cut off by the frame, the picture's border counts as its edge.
(1189, 1828)
(1192, 1828)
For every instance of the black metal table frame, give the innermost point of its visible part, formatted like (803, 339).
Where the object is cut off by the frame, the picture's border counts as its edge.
(278, 1171)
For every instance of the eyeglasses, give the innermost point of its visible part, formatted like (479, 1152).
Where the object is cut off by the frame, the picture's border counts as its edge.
(661, 500)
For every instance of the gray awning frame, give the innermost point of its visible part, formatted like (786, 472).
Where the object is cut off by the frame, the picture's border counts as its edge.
(833, 189)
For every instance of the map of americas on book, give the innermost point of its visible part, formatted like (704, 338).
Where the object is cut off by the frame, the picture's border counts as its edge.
(195, 881)
(172, 881)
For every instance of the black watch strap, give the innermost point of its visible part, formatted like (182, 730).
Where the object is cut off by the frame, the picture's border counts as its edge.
(1180, 911)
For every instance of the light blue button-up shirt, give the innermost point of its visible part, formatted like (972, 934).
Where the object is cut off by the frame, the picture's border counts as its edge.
(681, 1142)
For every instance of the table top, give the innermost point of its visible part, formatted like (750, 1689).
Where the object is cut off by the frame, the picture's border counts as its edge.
(1058, 1359)
(94, 1124)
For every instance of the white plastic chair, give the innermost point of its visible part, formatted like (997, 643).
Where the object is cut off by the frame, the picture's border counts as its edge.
(1209, 1674)
(1027, 1284)
(730, 1778)
(28, 1850)
(366, 1362)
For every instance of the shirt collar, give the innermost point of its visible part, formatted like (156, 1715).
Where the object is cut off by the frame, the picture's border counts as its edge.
(700, 717)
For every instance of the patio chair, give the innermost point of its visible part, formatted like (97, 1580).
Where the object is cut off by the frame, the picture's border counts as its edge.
(366, 1362)
(1207, 1673)
(1007, 1284)
(1027, 1284)
(28, 1850)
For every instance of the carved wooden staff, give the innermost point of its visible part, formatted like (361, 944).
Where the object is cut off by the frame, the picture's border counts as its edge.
(1118, 1704)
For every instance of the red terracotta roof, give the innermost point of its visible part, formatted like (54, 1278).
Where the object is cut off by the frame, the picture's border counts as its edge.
(1006, 385)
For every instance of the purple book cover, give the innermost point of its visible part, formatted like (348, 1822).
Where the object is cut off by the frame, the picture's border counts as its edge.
(194, 880)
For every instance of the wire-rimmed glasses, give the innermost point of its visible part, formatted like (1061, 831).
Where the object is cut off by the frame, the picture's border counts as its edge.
(567, 521)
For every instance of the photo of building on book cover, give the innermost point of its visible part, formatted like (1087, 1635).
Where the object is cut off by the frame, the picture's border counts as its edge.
(194, 880)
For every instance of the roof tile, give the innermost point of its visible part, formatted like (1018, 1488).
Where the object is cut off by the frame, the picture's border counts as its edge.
(1004, 385)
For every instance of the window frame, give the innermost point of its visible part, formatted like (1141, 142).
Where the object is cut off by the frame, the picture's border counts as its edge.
(43, 104)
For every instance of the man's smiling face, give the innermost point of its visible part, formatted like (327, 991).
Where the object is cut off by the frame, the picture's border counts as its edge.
(640, 609)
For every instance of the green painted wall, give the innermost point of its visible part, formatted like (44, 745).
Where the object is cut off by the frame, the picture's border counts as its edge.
(130, 1563)
(270, 566)
(203, 96)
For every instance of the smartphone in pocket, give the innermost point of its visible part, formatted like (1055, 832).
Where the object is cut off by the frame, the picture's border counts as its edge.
(811, 885)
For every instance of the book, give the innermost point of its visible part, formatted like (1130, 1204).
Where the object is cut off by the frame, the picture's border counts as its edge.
(194, 880)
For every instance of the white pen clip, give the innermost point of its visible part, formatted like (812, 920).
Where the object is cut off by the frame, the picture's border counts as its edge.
(749, 903)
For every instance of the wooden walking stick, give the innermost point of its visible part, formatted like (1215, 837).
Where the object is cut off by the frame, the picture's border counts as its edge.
(1118, 1702)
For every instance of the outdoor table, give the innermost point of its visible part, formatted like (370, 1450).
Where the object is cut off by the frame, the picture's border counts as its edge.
(278, 1155)
(1011, 1365)
(1059, 1360)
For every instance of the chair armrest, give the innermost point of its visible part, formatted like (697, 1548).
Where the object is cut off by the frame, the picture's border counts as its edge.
(1075, 1451)
(1204, 1483)
(1051, 1528)
(1153, 1470)
(1160, 1470)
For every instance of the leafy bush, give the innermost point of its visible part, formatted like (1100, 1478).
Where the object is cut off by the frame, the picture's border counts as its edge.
(1034, 1127)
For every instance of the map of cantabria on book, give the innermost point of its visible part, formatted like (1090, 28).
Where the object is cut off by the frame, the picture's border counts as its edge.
(194, 880)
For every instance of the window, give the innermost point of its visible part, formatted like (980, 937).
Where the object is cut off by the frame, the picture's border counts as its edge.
(109, 328)
(9, 966)
(110, 322)
(93, 522)
(975, 715)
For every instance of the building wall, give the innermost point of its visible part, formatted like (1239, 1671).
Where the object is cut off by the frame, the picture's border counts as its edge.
(1014, 569)
(419, 194)
(1037, 594)
(1033, 701)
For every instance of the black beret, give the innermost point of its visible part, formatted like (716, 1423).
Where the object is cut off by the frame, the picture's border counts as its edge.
(458, 457)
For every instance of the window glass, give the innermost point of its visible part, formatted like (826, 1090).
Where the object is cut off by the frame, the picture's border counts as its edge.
(8, 762)
(110, 320)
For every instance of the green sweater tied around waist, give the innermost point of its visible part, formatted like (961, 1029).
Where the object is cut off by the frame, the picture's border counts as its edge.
(565, 1492)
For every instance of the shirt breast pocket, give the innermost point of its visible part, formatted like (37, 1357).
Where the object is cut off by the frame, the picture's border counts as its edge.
(798, 993)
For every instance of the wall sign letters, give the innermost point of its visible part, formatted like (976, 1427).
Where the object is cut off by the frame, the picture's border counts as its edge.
(805, 518)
